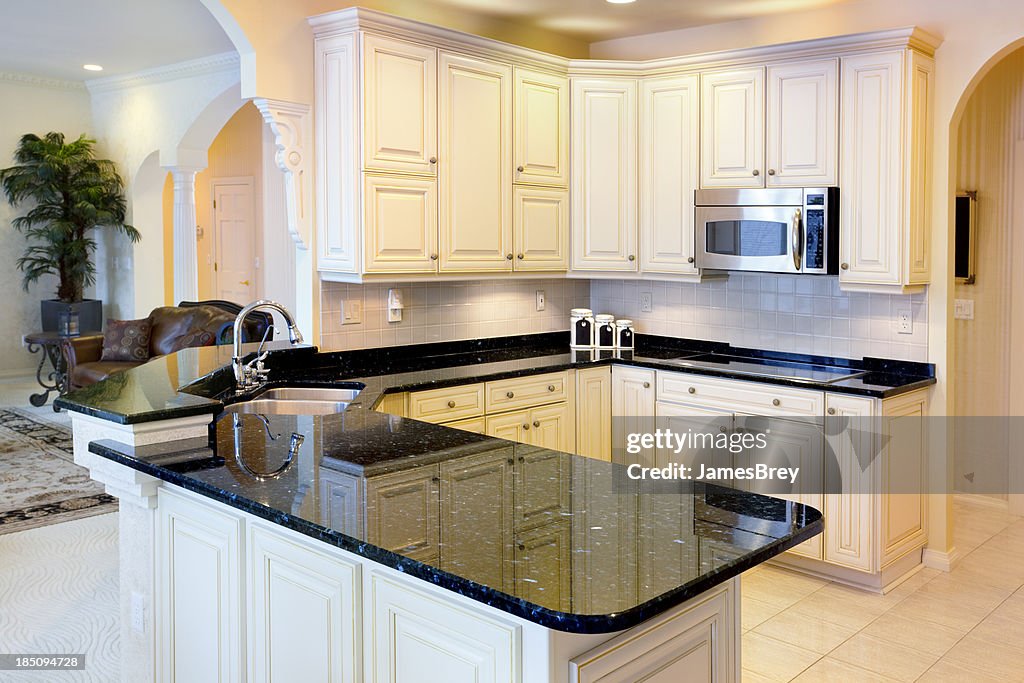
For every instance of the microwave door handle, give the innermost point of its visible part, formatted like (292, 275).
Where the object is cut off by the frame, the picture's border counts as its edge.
(798, 239)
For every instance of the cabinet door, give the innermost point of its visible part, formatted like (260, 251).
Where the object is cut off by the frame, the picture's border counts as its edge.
(540, 220)
(509, 425)
(477, 425)
(732, 128)
(633, 407)
(400, 224)
(553, 427)
(681, 419)
(669, 173)
(476, 519)
(604, 174)
(594, 413)
(399, 105)
(402, 510)
(543, 574)
(199, 578)
(303, 613)
(849, 514)
(870, 170)
(541, 486)
(475, 164)
(803, 124)
(541, 128)
(341, 501)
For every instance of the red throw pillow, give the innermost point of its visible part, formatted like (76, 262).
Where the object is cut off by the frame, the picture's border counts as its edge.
(126, 340)
(192, 338)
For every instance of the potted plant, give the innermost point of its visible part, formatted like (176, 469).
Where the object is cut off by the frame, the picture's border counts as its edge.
(72, 193)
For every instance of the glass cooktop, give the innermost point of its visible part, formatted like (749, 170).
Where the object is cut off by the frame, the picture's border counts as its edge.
(797, 372)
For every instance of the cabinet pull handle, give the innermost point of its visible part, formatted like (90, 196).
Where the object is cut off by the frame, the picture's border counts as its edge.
(632, 257)
(433, 160)
(551, 387)
(757, 172)
(433, 257)
(526, 427)
(522, 458)
(451, 404)
(831, 411)
(689, 259)
(723, 429)
(435, 479)
(521, 257)
(776, 402)
(692, 390)
(844, 266)
(522, 547)
(519, 169)
(508, 256)
(510, 394)
(511, 461)
(771, 171)
(647, 385)
(536, 423)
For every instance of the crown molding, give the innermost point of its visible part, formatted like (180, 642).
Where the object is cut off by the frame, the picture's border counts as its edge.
(224, 62)
(33, 81)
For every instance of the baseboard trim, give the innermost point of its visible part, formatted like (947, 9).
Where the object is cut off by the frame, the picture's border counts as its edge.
(23, 374)
(982, 501)
(943, 561)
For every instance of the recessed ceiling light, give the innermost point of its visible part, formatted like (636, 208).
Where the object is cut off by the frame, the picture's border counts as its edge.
(92, 67)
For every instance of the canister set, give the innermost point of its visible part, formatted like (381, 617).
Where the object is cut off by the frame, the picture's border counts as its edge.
(602, 331)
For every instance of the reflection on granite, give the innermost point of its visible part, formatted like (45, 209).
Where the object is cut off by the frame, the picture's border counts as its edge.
(550, 537)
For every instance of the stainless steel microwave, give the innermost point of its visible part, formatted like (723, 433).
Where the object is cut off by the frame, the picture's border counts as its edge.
(776, 230)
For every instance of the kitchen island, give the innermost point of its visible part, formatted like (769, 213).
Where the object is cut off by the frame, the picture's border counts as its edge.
(369, 546)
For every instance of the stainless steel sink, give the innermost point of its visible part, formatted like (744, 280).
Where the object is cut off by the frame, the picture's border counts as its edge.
(296, 401)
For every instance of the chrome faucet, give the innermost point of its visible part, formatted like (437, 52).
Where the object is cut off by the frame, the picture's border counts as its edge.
(250, 375)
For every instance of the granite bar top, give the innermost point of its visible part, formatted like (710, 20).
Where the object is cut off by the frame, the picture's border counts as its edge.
(625, 555)
(200, 381)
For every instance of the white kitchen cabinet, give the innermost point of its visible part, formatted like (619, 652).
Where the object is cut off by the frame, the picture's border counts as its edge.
(884, 171)
(802, 132)
(400, 218)
(341, 500)
(402, 512)
(633, 409)
(541, 128)
(399, 105)
(543, 574)
(594, 412)
(683, 417)
(548, 427)
(475, 216)
(604, 182)
(200, 617)
(732, 128)
(850, 518)
(669, 173)
(540, 228)
(303, 611)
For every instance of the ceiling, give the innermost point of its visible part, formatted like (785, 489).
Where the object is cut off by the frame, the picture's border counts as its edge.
(54, 38)
(597, 20)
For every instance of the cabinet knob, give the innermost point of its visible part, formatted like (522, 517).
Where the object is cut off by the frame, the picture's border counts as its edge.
(536, 423)
(771, 171)
(632, 257)
(510, 394)
(647, 385)
(551, 387)
(844, 266)
(508, 256)
(689, 259)
(511, 461)
(433, 160)
(520, 257)
(723, 429)
(757, 172)
(519, 169)
(451, 404)
(522, 458)
(433, 257)
(526, 427)
(831, 411)
(776, 402)
(435, 479)
(522, 547)
(692, 390)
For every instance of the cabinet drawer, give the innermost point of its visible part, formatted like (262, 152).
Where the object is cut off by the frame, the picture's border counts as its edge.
(736, 396)
(477, 425)
(521, 392)
(448, 404)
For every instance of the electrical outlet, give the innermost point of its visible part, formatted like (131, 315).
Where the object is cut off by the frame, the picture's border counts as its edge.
(963, 309)
(904, 321)
(646, 302)
(138, 612)
(541, 300)
(351, 312)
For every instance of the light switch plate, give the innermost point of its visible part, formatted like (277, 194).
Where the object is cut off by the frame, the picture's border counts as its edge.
(963, 309)
(541, 300)
(351, 312)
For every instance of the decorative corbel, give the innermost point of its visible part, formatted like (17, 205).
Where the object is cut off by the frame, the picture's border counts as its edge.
(292, 125)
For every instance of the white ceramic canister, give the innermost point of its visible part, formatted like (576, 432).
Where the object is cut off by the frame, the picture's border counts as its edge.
(605, 331)
(624, 335)
(581, 328)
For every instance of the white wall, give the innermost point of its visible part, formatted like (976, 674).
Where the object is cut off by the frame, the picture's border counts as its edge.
(29, 106)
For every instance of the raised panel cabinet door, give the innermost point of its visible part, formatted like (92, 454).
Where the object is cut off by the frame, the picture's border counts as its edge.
(402, 512)
(633, 407)
(870, 172)
(541, 128)
(853, 442)
(543, 574)
(399, 105)
(604, 148)
(594, 413)
(732, 128)
(304, 622)
(683, 418)
(553, 427)
(475, 164)
(540, 221)
(509, 426)
(341, 501)
(669, 173)
(476, 517)
(199, 571)
(418, 637)
(802, 144)
(541, 486)
(400, 226)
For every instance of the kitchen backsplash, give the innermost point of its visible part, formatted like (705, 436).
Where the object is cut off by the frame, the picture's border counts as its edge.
(802, 314)
(779, 312)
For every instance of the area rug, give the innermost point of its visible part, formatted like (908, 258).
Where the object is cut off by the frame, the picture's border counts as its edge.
(40, 483)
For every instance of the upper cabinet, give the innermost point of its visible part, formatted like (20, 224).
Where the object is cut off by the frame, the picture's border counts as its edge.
(541, 128)
(802, 124)
(885, 171)
(604, 185)
(732, 135)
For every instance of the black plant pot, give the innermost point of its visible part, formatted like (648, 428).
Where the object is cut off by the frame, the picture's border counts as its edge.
(90, 314)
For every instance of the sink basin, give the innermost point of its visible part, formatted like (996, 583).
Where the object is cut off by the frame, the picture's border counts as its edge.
(296, 401)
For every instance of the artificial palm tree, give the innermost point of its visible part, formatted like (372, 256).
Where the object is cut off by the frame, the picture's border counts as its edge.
(73, 193)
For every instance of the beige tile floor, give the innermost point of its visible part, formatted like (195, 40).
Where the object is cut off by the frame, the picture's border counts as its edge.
(964, 626)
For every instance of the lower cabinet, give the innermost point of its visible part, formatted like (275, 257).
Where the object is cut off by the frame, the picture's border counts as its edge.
(547, 426)
(402, 512)
(542, 558)
(594, 412)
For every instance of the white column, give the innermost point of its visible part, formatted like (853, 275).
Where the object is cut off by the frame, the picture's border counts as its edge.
(186, 279)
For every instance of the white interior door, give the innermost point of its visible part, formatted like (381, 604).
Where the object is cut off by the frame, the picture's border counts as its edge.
(234, 266)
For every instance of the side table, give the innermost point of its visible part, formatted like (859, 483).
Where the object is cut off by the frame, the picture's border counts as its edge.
(49, 345)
